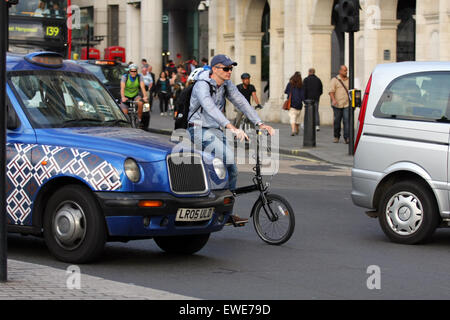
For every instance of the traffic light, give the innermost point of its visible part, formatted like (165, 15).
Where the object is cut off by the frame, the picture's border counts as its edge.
(348, 15)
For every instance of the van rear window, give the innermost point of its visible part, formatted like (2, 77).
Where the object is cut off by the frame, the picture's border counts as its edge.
(418, 96)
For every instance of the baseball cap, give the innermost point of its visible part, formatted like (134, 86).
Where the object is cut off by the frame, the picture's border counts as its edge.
(245, 76)
(222, 59)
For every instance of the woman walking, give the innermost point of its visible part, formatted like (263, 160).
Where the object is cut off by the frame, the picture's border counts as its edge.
(164, 92)
(294, 89)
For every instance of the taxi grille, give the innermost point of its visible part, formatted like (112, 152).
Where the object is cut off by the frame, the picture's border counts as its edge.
(187, 176)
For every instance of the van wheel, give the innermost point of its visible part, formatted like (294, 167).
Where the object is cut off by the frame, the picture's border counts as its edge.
(189, 244)
(409, 213)
(74, 229)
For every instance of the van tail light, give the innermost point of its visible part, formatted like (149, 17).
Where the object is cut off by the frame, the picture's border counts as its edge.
(362, 113)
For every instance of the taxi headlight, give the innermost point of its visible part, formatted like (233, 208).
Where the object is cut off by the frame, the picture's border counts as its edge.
(132, 170)
(219, 168)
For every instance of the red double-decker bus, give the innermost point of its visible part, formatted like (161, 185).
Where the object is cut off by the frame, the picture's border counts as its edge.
(36, 25)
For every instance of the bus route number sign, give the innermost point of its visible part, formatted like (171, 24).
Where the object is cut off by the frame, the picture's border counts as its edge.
(52, 32)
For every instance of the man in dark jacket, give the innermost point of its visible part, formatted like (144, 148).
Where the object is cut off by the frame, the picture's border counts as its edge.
(313, 90)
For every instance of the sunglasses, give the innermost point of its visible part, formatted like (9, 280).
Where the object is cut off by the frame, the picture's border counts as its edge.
(133, 70)
(226, 69)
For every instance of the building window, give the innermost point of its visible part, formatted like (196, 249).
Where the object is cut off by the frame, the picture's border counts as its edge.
(113, 25)
(406, 31)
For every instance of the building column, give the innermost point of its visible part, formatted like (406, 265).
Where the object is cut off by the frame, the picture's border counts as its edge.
(444, 30)
(151, 37)
(272, 108)
(133, 34)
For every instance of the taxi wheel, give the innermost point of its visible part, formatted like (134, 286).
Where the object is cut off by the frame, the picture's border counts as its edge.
(189, 244)
(409, 213)
(74, 229)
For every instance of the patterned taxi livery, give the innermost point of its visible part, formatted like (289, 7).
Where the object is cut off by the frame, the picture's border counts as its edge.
(30, 166)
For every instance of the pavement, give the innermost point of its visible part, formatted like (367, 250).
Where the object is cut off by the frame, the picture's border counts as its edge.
(30, 281)
(325, 149)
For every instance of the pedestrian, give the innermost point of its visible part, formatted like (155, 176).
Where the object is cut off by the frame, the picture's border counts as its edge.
(170, 69)
(208, 94)
(313, 90)
(340, 103)
(144, 64)
(248, 91)
(164, 92)
(179, 77)
(152, 89)
(148, 81)
(294, 89)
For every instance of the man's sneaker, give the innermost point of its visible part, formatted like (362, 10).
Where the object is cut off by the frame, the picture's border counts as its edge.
(317, 128)
(235, 220)
(336, 140)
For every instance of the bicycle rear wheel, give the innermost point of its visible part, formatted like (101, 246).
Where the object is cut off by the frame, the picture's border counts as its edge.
(274, 221)
(133, 119)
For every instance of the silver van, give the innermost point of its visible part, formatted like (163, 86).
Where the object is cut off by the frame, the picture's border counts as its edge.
(401, 163)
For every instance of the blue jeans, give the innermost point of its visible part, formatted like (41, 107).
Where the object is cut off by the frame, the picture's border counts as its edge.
(214, 142)
(341, 114)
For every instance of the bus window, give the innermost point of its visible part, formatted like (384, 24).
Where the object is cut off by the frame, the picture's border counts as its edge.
(40, 8)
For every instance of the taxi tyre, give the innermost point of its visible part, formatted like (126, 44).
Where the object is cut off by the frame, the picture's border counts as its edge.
(74, 202)
(188, 244)
(430, 212)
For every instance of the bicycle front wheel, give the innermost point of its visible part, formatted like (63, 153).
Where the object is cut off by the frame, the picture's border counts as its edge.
(274, 221)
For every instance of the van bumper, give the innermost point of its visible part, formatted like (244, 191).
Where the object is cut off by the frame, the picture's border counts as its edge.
(364, 185)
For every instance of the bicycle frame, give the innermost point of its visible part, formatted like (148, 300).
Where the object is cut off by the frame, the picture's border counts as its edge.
(258, 184)
(132, 112)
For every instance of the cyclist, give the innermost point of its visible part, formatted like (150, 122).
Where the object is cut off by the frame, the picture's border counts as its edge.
(206, 120)
(248, 91)
(130, 85)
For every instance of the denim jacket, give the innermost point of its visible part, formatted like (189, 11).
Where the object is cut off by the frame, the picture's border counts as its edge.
(210, 115)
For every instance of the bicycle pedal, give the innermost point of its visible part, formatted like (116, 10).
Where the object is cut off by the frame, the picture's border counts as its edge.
(242, 224)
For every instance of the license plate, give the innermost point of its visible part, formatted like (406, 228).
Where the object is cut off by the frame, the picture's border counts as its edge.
(198, 214)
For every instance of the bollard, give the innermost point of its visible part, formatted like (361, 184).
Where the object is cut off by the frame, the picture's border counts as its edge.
(309, 134)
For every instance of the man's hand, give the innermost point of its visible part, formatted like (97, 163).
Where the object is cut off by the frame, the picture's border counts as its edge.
(124, 99)
(241, 135)
(269, 129)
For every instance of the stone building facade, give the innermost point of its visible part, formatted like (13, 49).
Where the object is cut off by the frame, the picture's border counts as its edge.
(137, 26)
(302, 35)
(288, 35)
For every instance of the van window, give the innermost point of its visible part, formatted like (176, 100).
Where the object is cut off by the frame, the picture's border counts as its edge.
(418, 96)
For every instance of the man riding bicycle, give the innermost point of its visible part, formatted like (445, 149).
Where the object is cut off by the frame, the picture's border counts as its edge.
(248, 91)
(206, 118)
(130, 87)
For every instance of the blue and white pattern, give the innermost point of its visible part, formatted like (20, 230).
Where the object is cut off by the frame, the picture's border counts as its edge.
(29, 166)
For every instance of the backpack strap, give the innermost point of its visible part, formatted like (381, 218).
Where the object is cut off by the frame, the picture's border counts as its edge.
(211, 92)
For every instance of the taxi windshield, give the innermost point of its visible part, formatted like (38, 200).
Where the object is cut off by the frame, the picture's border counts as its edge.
(56, 99)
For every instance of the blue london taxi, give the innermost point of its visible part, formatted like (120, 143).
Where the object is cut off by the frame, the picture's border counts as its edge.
(79, 175)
